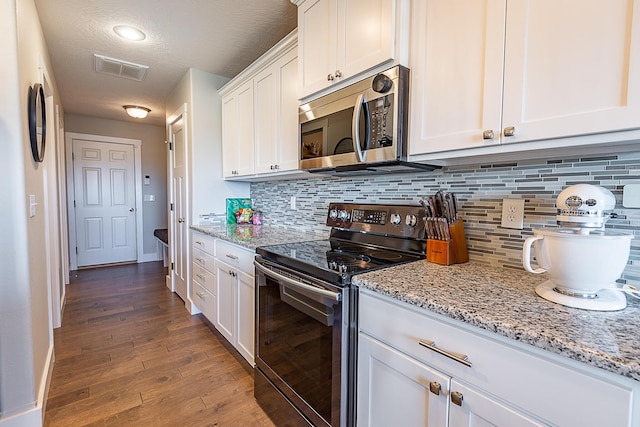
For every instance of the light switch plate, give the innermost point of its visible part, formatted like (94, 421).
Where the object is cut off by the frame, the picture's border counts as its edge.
(32, 205)
(631, 196)
(513, 213)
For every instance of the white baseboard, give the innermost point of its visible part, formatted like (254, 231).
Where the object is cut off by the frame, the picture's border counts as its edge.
(149, 257)
(31, 418)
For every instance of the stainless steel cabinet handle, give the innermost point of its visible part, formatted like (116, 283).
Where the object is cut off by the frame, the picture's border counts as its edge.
(330, 77)
(231, 256)
(509, 131)
(232, 273)
(488, 134)
(456, 398)
(435, 387)
(458, 357)
(202, 296)
(338, 74)
(200, 276)
(199, 243)
(200, 260)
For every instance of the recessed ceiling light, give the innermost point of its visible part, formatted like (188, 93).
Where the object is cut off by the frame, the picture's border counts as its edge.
(129, 33)
(136, 111)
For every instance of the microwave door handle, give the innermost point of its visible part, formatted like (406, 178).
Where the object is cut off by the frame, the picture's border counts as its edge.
(355, 127)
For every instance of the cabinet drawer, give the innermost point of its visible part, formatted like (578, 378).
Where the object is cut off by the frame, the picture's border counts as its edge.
(205, 301)
(203, 242)
(526, 379)
(235, 256)
(203, 259)
(204, 277)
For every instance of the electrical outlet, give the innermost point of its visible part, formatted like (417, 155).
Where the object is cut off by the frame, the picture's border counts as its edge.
(513, 213)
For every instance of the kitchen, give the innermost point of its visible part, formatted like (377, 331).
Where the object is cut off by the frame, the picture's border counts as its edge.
(481, 185)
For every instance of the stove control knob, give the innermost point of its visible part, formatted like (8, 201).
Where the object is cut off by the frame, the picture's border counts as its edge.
(395, 219)
(344, 215)
(411, 220)
(333, 214)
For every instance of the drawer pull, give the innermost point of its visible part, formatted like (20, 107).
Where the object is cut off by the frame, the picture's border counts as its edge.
(198, 242)
(202, 296)
(231, 256)
(435, 387)
(456, 398)
(458, 357)
(200, 276)
(232, 273)
(200, 260)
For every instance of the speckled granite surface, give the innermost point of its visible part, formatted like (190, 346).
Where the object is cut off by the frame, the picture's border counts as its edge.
(252, 236)
(504, 301)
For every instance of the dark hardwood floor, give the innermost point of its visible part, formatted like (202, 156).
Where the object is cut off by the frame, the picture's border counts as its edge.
(129, 354)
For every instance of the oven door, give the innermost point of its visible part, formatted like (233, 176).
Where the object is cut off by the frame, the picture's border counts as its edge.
(302, 333)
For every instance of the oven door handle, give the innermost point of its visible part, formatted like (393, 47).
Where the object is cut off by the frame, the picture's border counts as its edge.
(295, 283)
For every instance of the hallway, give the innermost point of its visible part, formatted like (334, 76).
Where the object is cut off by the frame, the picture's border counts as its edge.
(129, 354)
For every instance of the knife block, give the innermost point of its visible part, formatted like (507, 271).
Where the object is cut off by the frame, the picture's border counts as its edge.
(452, 251)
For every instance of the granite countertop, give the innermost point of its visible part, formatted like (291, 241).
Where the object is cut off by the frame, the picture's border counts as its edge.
(504, 301)
(252, 236)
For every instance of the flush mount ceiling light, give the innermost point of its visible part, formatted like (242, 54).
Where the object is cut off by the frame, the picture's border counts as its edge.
(136, 111)
(129, 33)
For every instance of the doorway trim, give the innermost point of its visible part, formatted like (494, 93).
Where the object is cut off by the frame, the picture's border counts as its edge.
(137, 150)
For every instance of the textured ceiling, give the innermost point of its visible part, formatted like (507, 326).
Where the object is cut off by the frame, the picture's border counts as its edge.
(218, 36)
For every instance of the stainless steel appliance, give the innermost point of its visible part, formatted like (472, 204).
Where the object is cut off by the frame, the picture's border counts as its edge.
(306, 310)
(359, 129)
(582, 259)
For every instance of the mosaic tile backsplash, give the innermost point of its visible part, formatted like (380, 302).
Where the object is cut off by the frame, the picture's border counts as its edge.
(480, 189)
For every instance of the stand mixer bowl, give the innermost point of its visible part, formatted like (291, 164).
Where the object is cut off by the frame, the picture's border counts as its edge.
(578, 264)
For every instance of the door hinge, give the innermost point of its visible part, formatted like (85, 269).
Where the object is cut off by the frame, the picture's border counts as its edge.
(73, 156)
(172, 266)
(76, 250)
(74, 203)
(170, 206)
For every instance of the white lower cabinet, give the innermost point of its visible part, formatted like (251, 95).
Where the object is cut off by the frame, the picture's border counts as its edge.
(401, 382)
(235, 306)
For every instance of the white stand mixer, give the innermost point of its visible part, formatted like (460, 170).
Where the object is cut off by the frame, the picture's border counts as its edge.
(583, 259)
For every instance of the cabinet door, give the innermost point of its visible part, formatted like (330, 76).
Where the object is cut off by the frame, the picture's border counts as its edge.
(480, 410)
(288, 145)
(225, 300)
(571, 67)
(366, 35)
(317, 44)
(266, 119)
(245, 316)
(229, 135)
(394, 389)
(245, 153)
(456, 74)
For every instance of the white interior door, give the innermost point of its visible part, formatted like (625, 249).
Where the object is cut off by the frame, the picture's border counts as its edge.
(179, 218)
(105, 202)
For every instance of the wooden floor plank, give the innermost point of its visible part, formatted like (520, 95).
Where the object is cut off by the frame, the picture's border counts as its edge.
(129, 354)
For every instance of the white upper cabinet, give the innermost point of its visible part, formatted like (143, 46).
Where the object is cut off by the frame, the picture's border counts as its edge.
(501, 71)
(341, 39)
(276, 116)
(237, 138)
(260, 115)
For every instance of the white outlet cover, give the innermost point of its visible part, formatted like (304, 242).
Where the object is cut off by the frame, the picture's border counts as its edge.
(513, 213)
(631, 196)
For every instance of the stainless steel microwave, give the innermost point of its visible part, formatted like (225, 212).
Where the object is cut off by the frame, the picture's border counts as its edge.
(361, 128)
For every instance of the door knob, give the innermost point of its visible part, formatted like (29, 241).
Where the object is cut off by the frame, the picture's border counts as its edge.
(180, 220)
(131, 210)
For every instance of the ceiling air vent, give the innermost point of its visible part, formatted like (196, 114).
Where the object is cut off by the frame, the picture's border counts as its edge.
(120, 68)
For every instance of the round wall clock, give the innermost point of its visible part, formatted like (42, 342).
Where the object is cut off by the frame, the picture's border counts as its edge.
(37, 121)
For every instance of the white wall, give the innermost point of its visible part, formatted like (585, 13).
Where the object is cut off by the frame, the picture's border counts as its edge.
(26, 335)
(154, 164)
(209, 190)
